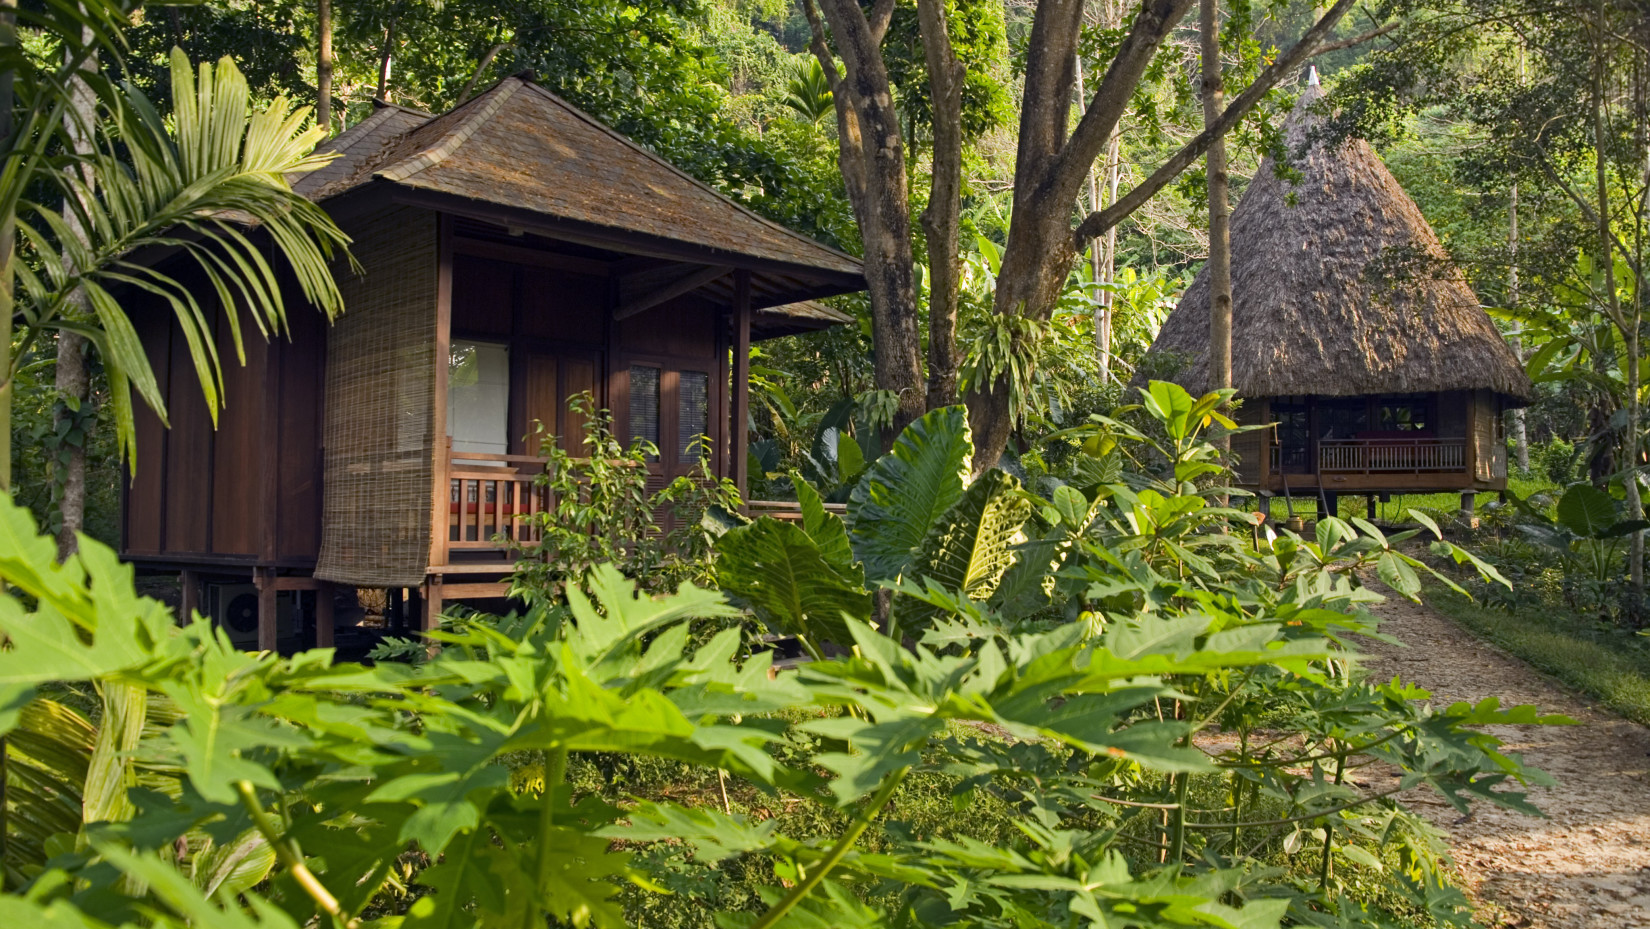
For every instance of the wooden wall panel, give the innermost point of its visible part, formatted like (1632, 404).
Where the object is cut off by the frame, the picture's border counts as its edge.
(144, 494)
(538, 401)
(483, 295)
(682, 328)
(561, 305)
(241, 445)
(1452, 414)
(298, 482)
(579, 375)
(189, 459)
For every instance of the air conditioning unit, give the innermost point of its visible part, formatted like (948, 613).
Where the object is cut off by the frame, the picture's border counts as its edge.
(235, 608)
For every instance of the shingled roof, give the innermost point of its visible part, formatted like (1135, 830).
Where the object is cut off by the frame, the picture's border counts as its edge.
(1340, 288)
(520, 147)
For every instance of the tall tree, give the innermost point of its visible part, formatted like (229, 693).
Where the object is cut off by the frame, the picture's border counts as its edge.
(1220, 234)
(941, 218)
(1052, 164)
(323, 64)
(872, 159)
(73, 415)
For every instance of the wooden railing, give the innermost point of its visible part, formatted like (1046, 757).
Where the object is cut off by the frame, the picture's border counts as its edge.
(489, 495)
(787, 510)
(1383, 456)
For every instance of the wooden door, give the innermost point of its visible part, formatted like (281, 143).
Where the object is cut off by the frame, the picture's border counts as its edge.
(547, 381)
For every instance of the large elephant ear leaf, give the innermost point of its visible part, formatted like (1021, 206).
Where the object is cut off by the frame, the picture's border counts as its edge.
(905, 492)
(784, 577)
(1586, 511)
(827, 529)
(973, 543)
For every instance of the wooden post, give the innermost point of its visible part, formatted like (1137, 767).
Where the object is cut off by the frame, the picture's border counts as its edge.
(440, 489)
(738, 437)
(1371, 509)
(432, 603)
(189, 584)
(264, 580)
(1469, 511)
(323, 614)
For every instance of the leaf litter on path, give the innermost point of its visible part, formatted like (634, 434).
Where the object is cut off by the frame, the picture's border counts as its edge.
(1587, 866)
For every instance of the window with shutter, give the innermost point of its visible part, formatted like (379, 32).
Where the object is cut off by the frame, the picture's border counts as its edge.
(644, 403)
(693, 413)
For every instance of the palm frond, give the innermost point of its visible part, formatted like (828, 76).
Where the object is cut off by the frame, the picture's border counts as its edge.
(210, 184)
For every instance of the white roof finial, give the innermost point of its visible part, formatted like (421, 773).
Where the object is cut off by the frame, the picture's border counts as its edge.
(1311, 75)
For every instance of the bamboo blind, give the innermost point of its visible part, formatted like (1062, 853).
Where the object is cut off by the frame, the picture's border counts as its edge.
(380, 406)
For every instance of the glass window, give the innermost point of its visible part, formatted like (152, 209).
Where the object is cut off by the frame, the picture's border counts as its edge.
(693, 416)
(1342, 418)
(644, 403)
(1404, 414)
(478, 397)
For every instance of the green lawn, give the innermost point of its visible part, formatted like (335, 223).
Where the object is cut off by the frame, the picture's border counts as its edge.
(1597, 658)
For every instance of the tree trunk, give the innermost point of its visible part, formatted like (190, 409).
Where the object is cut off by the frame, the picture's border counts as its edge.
(1630, 329)
(72, 384)
(323, 65)
(1103, 250)
(1520, 426)
(1220, 237)
(1050, 170)
(1107, 256)
(384, 58)
(942, 217)
(872, 155)
(8, 300)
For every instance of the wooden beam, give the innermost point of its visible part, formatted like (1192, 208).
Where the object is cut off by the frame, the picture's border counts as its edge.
(741, 399)
(475, 591)
(264, 579)
(298, 583)
(189, 581)
(629, 243)
(535, 257)
(440, 490)
(434, 597)
(324, 620)
(682, 285)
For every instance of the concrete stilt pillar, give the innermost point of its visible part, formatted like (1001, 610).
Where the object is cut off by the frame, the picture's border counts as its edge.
(1469, 513)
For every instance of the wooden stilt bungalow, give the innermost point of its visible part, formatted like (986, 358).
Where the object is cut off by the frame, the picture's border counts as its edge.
(1354, 335)
(514, 253)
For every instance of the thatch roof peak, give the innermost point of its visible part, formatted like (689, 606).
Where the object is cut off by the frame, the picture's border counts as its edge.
(1340, 288)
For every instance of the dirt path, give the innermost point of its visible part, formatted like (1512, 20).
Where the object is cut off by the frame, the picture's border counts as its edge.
(1588, 865)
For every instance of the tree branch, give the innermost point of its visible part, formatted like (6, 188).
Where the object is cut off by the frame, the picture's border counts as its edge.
(481, 68)
(1115, 89)
(1355, 40)
(1096, 224)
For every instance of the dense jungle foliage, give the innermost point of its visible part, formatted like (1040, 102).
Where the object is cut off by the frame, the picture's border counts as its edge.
(1156, 716)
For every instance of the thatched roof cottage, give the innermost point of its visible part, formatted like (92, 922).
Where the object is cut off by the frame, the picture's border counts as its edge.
(1352, 332)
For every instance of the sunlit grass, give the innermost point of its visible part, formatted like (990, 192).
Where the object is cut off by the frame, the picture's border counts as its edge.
(1396, 510)
(1599, 659)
